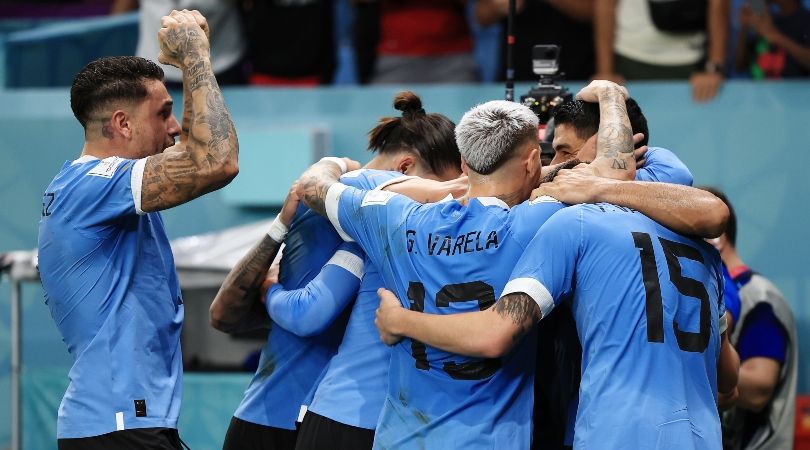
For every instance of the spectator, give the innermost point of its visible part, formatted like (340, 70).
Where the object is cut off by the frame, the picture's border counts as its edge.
(780, 47)
(290, 42)
(633, 42)
(424, 41)
(765, 338)
(567, 23)
(227, 42)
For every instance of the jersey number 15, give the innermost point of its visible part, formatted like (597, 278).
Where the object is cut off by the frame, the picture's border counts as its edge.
(688, 287)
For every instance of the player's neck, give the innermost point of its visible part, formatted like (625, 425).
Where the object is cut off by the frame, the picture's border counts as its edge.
(510, 191)
(102, 148)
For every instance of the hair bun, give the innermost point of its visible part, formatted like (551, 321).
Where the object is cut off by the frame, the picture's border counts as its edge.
(409, 103)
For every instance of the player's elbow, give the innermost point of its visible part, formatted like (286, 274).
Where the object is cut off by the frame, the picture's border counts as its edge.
(713, 222)
(495, 345)
(217, 319)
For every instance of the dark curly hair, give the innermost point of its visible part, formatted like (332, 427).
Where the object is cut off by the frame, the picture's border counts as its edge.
(109, 80)
(584, 117)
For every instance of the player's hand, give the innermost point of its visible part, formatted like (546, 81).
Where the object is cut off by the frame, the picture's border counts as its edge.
(351, 164)
(181, 39)
(597, 88)
(386, 316)
(269, 280)
(581, 184)
(641, 152)
(290, 207)
(705, 85)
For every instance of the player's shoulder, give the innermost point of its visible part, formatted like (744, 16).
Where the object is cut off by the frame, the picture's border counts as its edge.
(368, 179)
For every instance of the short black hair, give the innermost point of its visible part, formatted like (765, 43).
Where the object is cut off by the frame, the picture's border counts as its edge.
(731, 224)
(431, 136)
(584, 117)
(109, 80)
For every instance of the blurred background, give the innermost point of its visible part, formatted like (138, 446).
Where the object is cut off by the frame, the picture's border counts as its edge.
(308, 78)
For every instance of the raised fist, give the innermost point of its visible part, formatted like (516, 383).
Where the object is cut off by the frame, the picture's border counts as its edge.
(183, 38)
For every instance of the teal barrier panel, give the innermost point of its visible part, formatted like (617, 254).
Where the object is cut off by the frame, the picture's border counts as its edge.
(209, 400)
(50, 55)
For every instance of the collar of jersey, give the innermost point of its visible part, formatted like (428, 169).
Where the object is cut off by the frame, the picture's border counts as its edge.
(83, 159)
(492, 201)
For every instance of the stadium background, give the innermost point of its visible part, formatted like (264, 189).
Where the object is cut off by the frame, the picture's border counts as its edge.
(753, 141)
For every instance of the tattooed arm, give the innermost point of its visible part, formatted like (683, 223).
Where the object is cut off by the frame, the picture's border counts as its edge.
(614, 142)
(236, 306)
(315, 182)
(206, 158)
(485, 334)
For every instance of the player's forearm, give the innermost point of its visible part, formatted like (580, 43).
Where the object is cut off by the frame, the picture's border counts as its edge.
(240, 291)
(614, 143)
(212, 141)
(424, 190)
(728, 367)
(604, 33)
(718, 24)
(310, 310)
(684, 209)
(313, 185)
(468, 334)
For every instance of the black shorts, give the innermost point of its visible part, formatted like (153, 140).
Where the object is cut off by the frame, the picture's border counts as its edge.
(132, 439)
(318, 433)
(243, 435)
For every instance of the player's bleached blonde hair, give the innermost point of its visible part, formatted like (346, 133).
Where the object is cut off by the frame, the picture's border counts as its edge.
(488, 134)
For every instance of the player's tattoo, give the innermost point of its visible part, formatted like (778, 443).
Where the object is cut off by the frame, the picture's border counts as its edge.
(315, 183)
(106, 129)
(235, 303)
(615, 137)
(521, 310)
(250, 272)
(208, 141)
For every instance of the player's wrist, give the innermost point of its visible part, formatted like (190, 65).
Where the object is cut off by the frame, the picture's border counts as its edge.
(278, 231)
(603, 190)
(339, 161)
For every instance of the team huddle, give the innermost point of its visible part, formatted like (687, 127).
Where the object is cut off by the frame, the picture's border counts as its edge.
(408, 307)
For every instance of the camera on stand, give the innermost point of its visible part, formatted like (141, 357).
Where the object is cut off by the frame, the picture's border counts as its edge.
(547, 94)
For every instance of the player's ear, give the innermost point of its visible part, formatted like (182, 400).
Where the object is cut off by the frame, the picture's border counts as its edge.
(120, 123)
(464, 168)
(533, 162)
(406, 164)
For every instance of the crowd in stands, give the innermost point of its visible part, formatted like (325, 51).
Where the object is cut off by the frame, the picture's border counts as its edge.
(294, 43)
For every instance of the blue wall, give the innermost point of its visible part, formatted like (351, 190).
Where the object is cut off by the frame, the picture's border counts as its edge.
(753, 141)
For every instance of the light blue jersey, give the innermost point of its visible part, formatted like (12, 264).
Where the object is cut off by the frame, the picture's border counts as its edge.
(647, 303)
(353, 388)
(291, 365)
(663, 166)
(110, 284)
(446, 258)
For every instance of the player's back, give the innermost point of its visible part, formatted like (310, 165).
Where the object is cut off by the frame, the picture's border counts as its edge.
(647, 305)
(291, 365)
(448, 258)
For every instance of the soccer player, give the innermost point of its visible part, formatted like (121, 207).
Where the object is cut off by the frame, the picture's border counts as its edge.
(104, 258)
(648, 309)
(296, 353)
(575, 126)
(447, 258)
